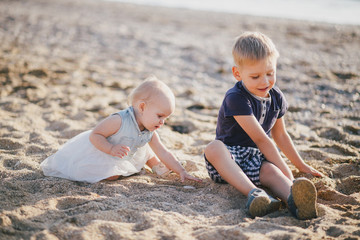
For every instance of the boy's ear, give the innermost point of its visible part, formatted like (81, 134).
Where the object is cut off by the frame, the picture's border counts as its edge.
(236, 73)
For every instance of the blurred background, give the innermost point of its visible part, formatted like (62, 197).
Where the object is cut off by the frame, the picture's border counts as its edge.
(330, 11)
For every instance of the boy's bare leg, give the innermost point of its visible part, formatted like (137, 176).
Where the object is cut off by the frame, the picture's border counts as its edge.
(302, 203)
(219, 156)
(259, 202)
(272, 178)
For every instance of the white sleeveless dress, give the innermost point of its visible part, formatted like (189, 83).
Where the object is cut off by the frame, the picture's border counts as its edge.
(79, 160)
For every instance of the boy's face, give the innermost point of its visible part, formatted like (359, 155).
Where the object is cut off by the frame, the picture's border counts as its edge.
(258, 77)
(155, 112)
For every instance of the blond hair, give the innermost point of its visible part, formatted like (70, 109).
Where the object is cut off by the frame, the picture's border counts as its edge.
(253, 46)
(149, 88)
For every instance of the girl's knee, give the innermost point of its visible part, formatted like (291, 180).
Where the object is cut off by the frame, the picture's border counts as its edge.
(152, 161)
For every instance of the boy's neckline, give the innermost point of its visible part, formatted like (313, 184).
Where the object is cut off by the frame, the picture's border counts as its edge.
(257, 97)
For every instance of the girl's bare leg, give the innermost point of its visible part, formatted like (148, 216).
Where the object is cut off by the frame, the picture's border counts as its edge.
(153, 161)
(158, 167)
(113, 178)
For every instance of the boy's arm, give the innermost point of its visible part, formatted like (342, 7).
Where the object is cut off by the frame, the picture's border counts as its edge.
(168, 158)
(104, 129)
(286, 145)
(252, 127)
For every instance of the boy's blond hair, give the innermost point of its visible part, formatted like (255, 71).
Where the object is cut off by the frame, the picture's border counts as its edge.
(253, 46)
(149, 88)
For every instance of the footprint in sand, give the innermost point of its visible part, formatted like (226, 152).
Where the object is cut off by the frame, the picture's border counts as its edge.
(346, 169)
(344, 75)
(12, 106)
(349, 185)
(354, 136)
(198, 106)
(70, 202)
(8, 144)
(352, 130)
(338, 149)
(40, 73)
(190, 165)
(5, 220)
(10, 163)
(331, 133)
(329, 196)
(15, 164)
(202, 109)
(58, 126)
(314, 154)
(296, 109)
(182, 126)
(70, 133)
(143, 223)
(34, 149)
(357, 233)
(334, 231)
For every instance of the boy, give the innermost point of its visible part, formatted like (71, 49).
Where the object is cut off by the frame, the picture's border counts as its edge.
(243, 153)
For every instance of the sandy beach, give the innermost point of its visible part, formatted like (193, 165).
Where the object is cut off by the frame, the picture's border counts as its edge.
(66, 65)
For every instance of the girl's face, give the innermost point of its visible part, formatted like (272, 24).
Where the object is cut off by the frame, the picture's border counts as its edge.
(258, 77)
(153, 113)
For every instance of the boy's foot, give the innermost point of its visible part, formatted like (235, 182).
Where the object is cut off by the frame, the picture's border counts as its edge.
(161, 170)
(260, 203)
(302, 199)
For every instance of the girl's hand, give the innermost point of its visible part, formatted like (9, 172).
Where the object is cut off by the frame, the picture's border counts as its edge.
(308, 169)
(184, 175)
(119, 151)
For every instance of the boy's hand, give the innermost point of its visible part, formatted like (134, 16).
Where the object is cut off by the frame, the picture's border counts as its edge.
(184, 175)
(119, 151)
(311, 170)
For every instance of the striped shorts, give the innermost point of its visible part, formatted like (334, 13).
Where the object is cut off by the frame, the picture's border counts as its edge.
(249, 159)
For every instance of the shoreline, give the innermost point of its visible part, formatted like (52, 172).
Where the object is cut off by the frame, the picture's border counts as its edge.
(66, 65)
(317, 13)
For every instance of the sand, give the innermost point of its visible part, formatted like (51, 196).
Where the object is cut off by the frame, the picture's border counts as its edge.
(65, 65)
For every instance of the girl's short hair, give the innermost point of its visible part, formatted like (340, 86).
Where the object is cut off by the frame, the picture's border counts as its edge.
(253, 46)
(150, 87)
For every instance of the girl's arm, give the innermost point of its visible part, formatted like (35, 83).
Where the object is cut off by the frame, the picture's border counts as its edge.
(104, 129)
(168, 158)
(252, 127)
(286, 145)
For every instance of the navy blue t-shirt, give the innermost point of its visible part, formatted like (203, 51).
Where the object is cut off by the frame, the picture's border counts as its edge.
(239, 101)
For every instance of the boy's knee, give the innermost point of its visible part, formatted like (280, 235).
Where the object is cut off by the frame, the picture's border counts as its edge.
(268, 168)
(213, 147)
